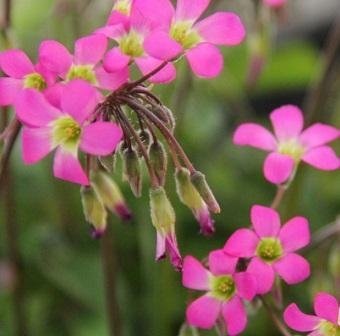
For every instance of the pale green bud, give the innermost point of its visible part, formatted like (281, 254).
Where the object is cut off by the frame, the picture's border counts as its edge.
(132, 171)
(159, 161)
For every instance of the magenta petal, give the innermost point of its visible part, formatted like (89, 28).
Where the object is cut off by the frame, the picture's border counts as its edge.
(203, 312)
(220, 263)
(266, 221)
(9, 89)
(111, 81)
(15, 63)
(275, 3)
(326, 306)
(242, 243)
(67, 167)
(298, 320)
(323, 158)
(160, 247)
(246, 285)
(194, 275)
(115, 60)
(53, 94)
(205, 60)
(292, 268)
(222, 28)
(235, 316)
(263, 274)
(116, 18)
(190, 10)
(90, 49)
(114, 32)
(318, 135)
(278, 168)
(36, 144)
(173, 251)
(295, 234)
(255, 136)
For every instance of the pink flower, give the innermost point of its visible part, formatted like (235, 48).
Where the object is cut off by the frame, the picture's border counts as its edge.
(271, 248)
(289, 145)
(274, 3)
(197, 39)
(84, 65)
(225, 289)
(326, 322)
(22, 74)
(120, 13)
(66, 130)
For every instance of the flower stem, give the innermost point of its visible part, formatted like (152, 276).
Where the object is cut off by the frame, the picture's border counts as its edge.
(280, 192)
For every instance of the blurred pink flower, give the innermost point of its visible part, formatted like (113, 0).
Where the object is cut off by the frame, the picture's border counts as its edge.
(275, 3)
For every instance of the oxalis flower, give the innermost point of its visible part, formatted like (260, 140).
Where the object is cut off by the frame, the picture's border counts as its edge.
(290, 145)
(225, 289)
(67, 130)
(326, 322)
(120, 12)
(271, 248)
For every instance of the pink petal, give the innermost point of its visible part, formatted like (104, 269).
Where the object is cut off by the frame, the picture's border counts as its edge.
(287, 121)
(190, 10)
(115, 60)
(315, 333)
(246, 285)
(266, 221)
(235, 316)
(292, 268)
(100, 138)
(9, 89)
(203, 312)
(222, 28)
(298, 320)
(111, 81)
(242, 243)
(158, 44)
(220, 263)
(55, 57)
(278, 168)
(326, 306)
(274, 3)
(204, 219)
(33, 109)
(194, 275)
(318, 135)
(79, 99)
(173, 251)
(323, 158)
(205, 60)
(15, 63)
(160, 246)
(36, 144)
(67, 167)
(90, 49)
(263, 274)
(114, 32)
(295, 234)
(53, 94)
(255, 136)
(118, 18)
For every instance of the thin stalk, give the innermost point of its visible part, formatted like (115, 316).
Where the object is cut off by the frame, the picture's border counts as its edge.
(280, 192)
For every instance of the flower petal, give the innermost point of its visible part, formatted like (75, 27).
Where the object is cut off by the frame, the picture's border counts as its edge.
(222, 28)
(90, 49)
(242, 243)
(190, 10)
(275, 3)
(266, 221)
(295, 234)
(263, 273)
(118, 18)
(318, 135)
(255, 136)
(9, 89)
(194, 275)
(173, 251)
(15, 63)
(323, 158)
(220, 263)
(292, 268)
(203, 312)
(235, 316)
(67, 167)
(205, 60)
(287, 121)
(111, 81)
(326, 306)
(298, 320)
(115, 60)
(278, 168)
(246, 285)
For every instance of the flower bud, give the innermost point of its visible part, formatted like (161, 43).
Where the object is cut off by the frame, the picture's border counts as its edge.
(201, 185)
(159, 161)
(145, 137)
(110, 194)
(132, 171)
(94, 211)
(107, 162)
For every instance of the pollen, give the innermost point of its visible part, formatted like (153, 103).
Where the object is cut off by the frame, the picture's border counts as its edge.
(84, 72)
(184, 34)
(223, 287)
(269, 249)
(132, 44)
(34, 81)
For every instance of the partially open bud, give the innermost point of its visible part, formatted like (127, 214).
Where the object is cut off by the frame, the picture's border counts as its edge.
(201, 185)
(192, 199)
(132, 171)
(110, 194)
(94, 211)
(163, 219)
(107, 162)
(159, 161)
(171, 122)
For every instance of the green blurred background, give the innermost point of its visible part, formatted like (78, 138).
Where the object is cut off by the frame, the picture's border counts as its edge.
(63, 281)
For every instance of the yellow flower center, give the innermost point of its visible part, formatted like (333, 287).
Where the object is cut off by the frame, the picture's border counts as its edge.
(223, 287)
(327, 328)
(123, 7)
(184, 34)
(84, 72)
(269, 249)
(132, 44)
(34, 81)
(291, 148)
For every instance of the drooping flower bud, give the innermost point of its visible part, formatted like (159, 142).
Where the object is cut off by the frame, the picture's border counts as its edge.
(201, 185)
(145, 137)
(192, 199)
(94, 211)
(159, 161)
(110, 194)
(132, 172)
(163, 219)
(107, 162)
